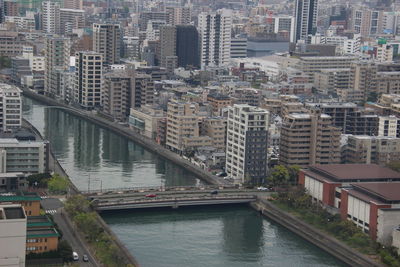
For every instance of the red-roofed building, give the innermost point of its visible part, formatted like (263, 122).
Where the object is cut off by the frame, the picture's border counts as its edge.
(375, 207)
(324, 182)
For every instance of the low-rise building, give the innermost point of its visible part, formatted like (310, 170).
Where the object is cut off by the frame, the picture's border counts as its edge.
(374, 207)
(13, 181)
(23, 156)
(324, 182)
(30, 202)
(41, 240)
(146, 120)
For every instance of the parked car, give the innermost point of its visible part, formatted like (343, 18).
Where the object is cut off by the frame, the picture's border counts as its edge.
(151, 195)
(85, 258)
(215, 192)
(262, 188)
(222, 174)
(75, 256)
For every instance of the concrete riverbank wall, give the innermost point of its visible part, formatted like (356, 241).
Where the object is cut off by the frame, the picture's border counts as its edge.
(318, 238)
(126, 132)
(57, 168)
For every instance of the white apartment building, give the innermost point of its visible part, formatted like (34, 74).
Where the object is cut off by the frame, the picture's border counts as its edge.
(51, 17)
(246, 143)
(12, 235)
(11, 107)
(215, 35)
(344, 44)
(389, 126)
(88, 78)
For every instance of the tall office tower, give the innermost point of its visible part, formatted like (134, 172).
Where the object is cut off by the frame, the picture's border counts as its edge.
(168, 47)
(73, 4)
(57, 55)
(187, 46)
(246, 143)
(215, 38)
(88, 76)
(178, 15)
(305, 19)
(51, 17)
(71, 19)
(309, 138)
(107, 41)
(10, 107)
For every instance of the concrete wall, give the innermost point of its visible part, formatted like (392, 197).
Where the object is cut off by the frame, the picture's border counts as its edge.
(388, 221)
(12, 242)
(396, 239)
(318, 238)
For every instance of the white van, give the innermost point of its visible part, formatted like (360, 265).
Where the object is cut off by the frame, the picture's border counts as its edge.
(75, 256)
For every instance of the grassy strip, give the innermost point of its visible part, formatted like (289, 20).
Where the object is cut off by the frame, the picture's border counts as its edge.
(299, 204)
(86, 221)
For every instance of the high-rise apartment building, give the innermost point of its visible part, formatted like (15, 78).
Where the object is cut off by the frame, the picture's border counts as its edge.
(51, 17)
(187, 46)
(215, 38)
(178, 15)
(73, 4)
(246, 144)
(366, 21)
(309, 138)
(183, 131)
(143, 91)
(57, 60)
(305, 19)
(107, 41)
(88, 76)
(365, 149)
(168, 47)
(10, 107)
(71, 19)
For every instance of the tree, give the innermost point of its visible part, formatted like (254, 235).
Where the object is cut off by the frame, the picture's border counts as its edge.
(65, 251)
(76, 204)
(87, 222)
(58, 184)
(293, 174)
(279, 175)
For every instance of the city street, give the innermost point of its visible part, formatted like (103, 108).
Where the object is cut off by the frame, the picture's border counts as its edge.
(69, 234)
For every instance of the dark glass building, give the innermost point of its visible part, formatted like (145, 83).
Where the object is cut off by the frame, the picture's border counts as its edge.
(187, 46)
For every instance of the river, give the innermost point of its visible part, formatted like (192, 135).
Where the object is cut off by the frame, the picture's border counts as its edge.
(232, 236)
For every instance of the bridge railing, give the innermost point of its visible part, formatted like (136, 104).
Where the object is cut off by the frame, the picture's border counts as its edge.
(127, 190)
(154, 200)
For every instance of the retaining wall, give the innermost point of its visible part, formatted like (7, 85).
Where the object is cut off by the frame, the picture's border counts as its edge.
(318, 238)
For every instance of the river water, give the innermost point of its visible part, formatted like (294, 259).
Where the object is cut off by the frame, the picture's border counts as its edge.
(231, 236)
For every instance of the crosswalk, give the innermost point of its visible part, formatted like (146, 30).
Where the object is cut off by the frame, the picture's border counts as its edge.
(51, 211)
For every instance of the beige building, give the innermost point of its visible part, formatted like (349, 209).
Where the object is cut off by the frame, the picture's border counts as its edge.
(329, 81)
(364, 149)
(73, 4)
(88, 79)
(146, 120)
(178, 15)
(309, 138)
(215, 128)
(12, 235)
(11, 43)
(183, 131)
(71, 19)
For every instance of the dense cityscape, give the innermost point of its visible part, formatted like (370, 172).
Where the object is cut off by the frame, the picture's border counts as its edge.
(197, 132)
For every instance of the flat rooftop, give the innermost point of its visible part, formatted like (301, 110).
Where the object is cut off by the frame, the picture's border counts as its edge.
(352, 172)
(39, 221)
(10, 213)
(50, 232)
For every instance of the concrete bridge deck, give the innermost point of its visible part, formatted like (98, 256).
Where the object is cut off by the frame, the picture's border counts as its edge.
(152, 198)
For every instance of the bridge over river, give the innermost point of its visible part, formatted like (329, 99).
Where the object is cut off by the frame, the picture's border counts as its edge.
(157, 197)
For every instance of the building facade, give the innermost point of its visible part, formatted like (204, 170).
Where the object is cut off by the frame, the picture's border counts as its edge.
(246, 144)
(107, 41)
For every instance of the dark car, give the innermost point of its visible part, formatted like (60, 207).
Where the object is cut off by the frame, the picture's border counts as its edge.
(215, 192)
(85, 258)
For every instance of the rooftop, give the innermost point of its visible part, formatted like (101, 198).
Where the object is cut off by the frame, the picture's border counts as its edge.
(50, 232)
(348, 172)
(387, 192)
(39, 221)
(20, 196)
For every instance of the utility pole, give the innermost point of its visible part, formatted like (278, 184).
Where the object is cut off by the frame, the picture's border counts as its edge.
(88, 186)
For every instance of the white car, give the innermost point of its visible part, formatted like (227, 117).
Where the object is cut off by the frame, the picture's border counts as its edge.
(262, 188)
